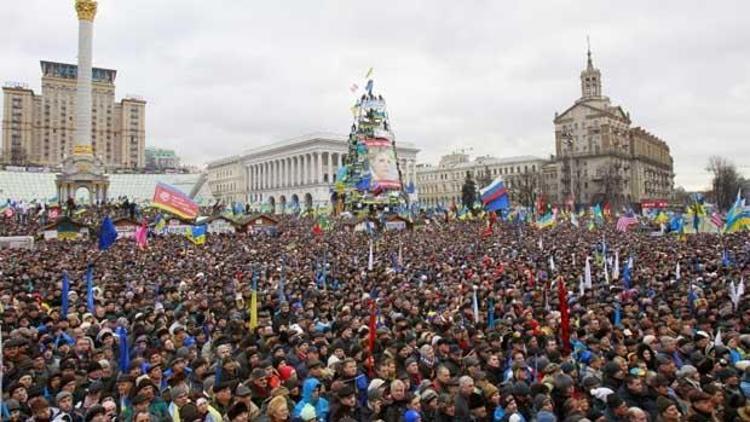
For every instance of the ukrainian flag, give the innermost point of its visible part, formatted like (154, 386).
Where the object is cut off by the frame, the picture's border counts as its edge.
(160, 224)
(738, 217)
(548, 220)
(196, 234)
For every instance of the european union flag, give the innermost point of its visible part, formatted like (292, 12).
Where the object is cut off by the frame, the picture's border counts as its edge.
(65, 292)
(107, 234)
(123, 360)
(90, 289)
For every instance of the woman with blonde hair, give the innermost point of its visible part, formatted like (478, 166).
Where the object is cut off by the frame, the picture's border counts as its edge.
(278, 410)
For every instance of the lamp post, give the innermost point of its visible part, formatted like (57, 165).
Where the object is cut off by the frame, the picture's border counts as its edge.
(567, 140)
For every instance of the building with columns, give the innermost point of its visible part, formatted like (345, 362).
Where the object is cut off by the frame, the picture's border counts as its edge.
(294, 172)
(441, 185)
(600, 157)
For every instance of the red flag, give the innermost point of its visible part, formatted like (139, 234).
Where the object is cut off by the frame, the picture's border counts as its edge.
(562, 295)
(371, 345)
(317, 231)
(531, 280)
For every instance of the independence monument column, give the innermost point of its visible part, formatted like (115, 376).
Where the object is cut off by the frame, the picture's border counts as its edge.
(86, 10)
(83, 169)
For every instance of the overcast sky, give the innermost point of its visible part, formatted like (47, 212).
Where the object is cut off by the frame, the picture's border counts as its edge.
(221, 76)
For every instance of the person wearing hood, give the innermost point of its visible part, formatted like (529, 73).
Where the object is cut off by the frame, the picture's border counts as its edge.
(311, 395)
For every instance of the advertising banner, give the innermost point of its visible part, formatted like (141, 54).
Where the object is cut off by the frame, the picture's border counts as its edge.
(172, 200)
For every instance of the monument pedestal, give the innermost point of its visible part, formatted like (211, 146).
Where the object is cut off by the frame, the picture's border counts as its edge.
(82, 171)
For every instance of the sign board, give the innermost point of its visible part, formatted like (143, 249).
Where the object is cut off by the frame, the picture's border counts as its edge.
(180, 229)
(125, 231)
(17, 242)
(125, 228)
(220, 226)
(654, 203)
(83, 233)
(395, 225)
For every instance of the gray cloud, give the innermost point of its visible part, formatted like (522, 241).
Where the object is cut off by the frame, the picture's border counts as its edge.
(223, 76)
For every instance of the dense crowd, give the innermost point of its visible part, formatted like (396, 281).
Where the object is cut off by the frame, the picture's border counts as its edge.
(405, 341)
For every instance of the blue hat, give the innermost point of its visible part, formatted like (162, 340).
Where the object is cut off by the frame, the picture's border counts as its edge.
(412, 416)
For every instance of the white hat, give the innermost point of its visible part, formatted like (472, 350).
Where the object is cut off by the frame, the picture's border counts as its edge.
(375, 384)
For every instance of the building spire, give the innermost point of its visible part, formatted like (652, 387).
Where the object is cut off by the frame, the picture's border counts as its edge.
(591, 78)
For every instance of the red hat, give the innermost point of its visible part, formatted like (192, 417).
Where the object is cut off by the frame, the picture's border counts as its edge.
(285, 372)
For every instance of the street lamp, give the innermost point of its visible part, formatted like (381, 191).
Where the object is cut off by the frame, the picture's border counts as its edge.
(567, 140)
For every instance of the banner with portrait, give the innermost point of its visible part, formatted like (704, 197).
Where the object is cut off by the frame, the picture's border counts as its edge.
(381, 160)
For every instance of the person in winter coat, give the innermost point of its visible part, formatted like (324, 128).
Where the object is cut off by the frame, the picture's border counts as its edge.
(311, 394)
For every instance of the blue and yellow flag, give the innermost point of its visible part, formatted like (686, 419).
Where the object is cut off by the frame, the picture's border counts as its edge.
(196, 234)
(160, 224)
(548, 220)
(253, 308)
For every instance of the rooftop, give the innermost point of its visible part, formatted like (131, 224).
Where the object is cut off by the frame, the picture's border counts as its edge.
(41, 186)
(307, 138)
(70, 71)
(483, 161)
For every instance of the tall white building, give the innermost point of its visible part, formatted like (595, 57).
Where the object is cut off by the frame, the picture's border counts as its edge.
(39, 129)
(298, 171)
(600, 157)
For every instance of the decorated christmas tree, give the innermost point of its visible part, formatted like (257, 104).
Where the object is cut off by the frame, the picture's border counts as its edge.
(371, 175)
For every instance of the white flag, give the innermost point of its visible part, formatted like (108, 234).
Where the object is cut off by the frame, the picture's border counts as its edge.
(606, 272)
(552, 264)
(370, 258)
(616, 267)
(588, 272)
(400, 256)
(735, 293)
(718, 341)
(541, 245)
(677, 272)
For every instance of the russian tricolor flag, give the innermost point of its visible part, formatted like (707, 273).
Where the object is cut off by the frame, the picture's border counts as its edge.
(495, 196)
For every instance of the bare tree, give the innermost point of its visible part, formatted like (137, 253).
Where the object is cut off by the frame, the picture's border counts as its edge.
(484, 178)
(524, 187)
(681, 196)
(726, 181)
(468, 191)
(612, 180)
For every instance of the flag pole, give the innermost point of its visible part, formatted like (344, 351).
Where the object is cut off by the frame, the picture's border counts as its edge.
(2, 371)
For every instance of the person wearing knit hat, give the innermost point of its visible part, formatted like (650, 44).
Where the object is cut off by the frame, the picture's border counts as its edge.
(542, 405)
(308, 413)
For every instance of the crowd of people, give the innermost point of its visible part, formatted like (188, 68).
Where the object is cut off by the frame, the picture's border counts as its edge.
(450, 323)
